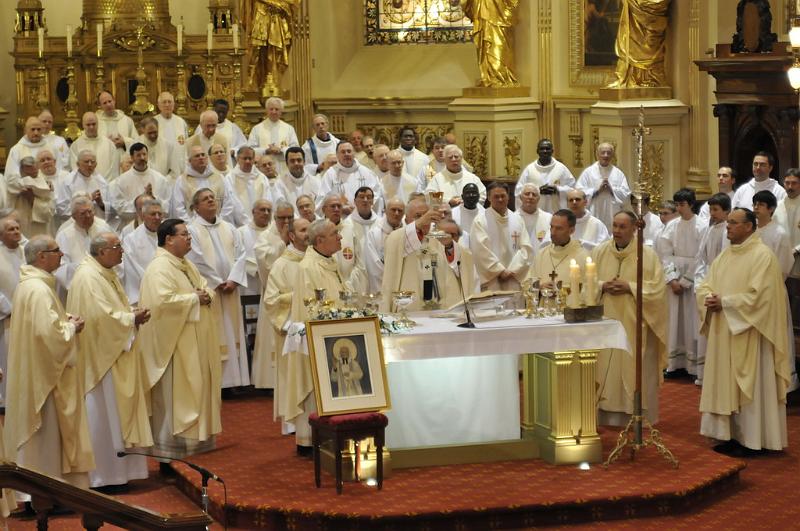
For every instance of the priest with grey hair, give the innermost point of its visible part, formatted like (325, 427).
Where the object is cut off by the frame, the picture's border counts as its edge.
(75, 236)
(11, 259)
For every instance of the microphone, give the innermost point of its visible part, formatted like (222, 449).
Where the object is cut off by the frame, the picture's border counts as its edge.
(204, 472)
(469, 323)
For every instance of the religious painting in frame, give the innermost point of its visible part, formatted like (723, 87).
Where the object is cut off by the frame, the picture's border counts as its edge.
(593, 26)
(415, 22)
(347, 365)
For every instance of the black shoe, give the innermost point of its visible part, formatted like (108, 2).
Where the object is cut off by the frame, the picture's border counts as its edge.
(731, 448)
(749, 452)
(166, 470)
(677, 373)
(305, 451)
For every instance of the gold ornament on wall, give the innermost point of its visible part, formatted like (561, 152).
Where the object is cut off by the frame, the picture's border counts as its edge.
(653, 170)
(476, 153)
(387, 133)
(512, 151)
(640, 46)
(493, 34)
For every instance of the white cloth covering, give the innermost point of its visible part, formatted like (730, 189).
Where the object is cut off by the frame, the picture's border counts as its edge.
(278, 133)
(74, 243)
(231, 132)
(413, 160)
(249, 235)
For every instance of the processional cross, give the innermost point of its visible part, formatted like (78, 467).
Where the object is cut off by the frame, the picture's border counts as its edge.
(639, 132)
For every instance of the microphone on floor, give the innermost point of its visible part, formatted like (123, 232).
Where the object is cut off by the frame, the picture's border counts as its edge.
(207, 474)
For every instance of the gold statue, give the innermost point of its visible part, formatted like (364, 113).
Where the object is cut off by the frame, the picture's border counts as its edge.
(640, 44)
(268, 28)
(493, 35)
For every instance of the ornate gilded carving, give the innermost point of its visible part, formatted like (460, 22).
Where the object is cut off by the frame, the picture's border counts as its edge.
(512, 150)
(120, 15)
(476, 152)
(268, 31)
(653, 170)
(641, 46)
(492, 32)
(576, 137)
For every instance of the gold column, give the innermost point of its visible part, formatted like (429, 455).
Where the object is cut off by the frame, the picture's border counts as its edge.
(545, 23)
(209, 79)
(72, 131)
(698, 173)
(180, 97)
(238, 114)
(43, 92)
(300, 60)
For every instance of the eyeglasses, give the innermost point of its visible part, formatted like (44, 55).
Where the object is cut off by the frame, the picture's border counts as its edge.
(56, 250)
(114, 247)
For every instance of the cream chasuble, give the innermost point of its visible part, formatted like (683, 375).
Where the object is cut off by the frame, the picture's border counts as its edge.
(247, 188)
(500, 242)
(398, 187)
(249, 234)
(20, 150)
(537, 225)
(173, 129)
(43, 363)
(10, 262)
(35, 215)
(427, 172)
(290, 188)
(554, 174)
(123, 191)
(268, 248)
(164, 157)
(345, 182)
(604, 205)
(373, 253)
(189, 183)
(278, 133)
(590, 231)
(140, 248)
(68, 185)
(452, 184)
(555, 259)
(199, 139)
(616, 371)
(181, 356)
(460, 267)
(105, 152)
(119, 123)
(227, 130)
(74, 243)
(745, 339)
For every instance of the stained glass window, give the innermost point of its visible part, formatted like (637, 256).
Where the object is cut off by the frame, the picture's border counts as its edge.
(415, 21)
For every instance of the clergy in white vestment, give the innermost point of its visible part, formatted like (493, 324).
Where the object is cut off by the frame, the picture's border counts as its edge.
(162, 154)
(589, 230)
(273, 136)
(260, 219)
(232, 133)
(318, 146)
(248, 185)
(462, 279)
(499, 243)
(436, 163)
(551, 176)
(464, 214)
(380, 156)
(652, 221)
(140, 248)
(413, 261)
(28, 146)
(725, 180)
(219, 158)
(552, 261)
(57, 144)
(296, 181)
(397, 183)
(743, 314)
(762, 166)
(537, 221)
(219, 256)
(774, 236)
(788, 215)
(200, 174)
(306, 208)
(347, 176)
(275, 306)
(414, 159)
(351, 268)
(31, 194)
(452, 179)
(616, 373)
(46, 427)
(107, 156)
(354, 231)
(375, 240)
(317, 270)
(138, 204)
(171, 127)
(206, 134)
(180, 348)
(605, 186)
(84, 179)
(11, 259)
(368, 157)
(113, 123)
(711, 245)
(75, 236)
(110, 363)
(142, 178)
(677, 246)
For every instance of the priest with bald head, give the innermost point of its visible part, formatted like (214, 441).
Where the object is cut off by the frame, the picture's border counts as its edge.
(57, 144)
(28, 146)
(106, 153)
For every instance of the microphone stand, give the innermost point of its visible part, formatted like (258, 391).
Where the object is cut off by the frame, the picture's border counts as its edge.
(469, 323)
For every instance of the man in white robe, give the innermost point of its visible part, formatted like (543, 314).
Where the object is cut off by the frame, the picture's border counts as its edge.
(248, 185)
(207, 135)
(138, 203)
(762, 167)
(319, 146)
(537, 221)
(677, 246)
(142, 178)
(11, 259)
(57, 144)
(31, 194)
(414, 159)
(46, 427)
(74, 237)
(28, 146)
(354, 231)
(605, 185)
(464, 214)
(788, 215)
(653, 225)
(113, 123)
(140, 248)
(461, 277)
(725, 180)
(743, 313)
(436, 163)
(162, 154)
(589, 230)
(452, 179)
(219, 256)
(171, 127)
(380, 159)
(84, 179)
(397, 183)
(376, 238)
(551, 176)
(272, 136)
(306, 208)
(500, 245)
(295, 181)
(220, 159)
(106, 153)
(368, 159)
(110, 363)
(261, 217)
(232, 133)
(200, 174)
(347, 176)
(552, 261)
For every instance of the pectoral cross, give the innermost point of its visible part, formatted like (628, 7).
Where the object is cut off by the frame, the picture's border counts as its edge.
(553, 276)
(515, 239)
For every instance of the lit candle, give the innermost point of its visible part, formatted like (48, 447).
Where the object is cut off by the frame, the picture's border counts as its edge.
(574, 298)
(180, 39)
(591, 282)
(209, 43)
(69, 40)
(99, 40)
(40, 32)
(236, 37)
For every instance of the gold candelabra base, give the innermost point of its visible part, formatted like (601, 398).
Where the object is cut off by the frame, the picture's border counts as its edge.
(633, 437)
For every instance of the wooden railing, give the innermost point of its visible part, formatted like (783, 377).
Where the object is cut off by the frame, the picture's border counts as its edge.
(95, 508)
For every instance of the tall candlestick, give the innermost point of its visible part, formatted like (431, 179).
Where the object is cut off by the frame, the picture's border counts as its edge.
(180, 39)
(40, 33)
(236, 37)
(99, 40)
(69, 40)
(210, 42)
(591, 282)
(574, 298)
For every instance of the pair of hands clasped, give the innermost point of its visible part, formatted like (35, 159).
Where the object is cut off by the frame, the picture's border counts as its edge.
(140, 316)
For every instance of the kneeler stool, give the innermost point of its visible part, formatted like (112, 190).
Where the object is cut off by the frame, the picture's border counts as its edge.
(341, 428)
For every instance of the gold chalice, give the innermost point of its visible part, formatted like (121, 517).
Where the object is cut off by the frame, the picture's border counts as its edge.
(435, 200)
